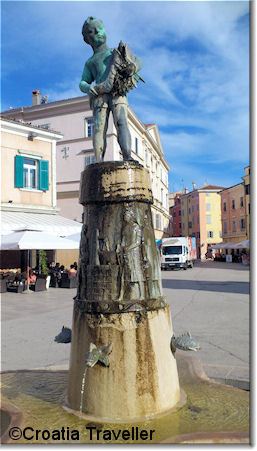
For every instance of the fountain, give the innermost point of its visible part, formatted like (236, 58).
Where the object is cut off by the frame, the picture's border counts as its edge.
(123, 384)
(120, 302)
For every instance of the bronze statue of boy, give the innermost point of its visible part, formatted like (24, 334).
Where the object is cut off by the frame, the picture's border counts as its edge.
(115, 72)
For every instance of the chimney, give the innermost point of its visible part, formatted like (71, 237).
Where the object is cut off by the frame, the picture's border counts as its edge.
(36, 97)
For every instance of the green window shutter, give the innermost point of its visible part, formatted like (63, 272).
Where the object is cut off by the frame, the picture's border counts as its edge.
(18, 171)
(43, 175)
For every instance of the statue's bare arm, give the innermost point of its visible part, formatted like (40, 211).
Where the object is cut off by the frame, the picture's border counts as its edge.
(86, 80)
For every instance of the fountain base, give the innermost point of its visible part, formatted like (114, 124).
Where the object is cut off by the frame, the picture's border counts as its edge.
(142, 379)
(213, 413)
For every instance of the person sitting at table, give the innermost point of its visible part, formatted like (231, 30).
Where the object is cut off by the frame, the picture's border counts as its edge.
(75, 266)
(32, 277)
(57, 267)
(20, 277)
(72, 271)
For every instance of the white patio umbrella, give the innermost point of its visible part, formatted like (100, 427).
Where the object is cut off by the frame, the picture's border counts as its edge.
(245, 244)
(217, 246)
(74, 237)
(30, 239)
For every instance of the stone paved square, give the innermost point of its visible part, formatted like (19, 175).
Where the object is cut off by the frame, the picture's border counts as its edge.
(211, 301)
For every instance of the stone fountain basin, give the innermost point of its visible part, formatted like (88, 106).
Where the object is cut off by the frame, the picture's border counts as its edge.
(213, 413)
(10, 417)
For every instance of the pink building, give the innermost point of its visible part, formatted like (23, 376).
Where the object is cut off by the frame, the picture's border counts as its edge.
(234, 218)
(175, 213)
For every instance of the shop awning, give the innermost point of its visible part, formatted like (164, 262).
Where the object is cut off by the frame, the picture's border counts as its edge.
(12, 221)
(242, 245)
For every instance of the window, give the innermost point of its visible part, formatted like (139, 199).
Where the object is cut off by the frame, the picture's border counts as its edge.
(241, 202)
(208, 219)
(183, 213)
(190, 225)
(158, 221)
(225, 227)
(233, 204)
(172, 250)
(31, 173)
(224, 206)
(174, 214)
(136, 146)
(242, 224)
(162, 195)
(209, 234)
(89, 127)
(146, 156)
(189, 211)
(208, 207)
(179, 212)
(234, 226)
(249, 208)
(247, 189)
(193, 208)
(180, 225)
(89, 159)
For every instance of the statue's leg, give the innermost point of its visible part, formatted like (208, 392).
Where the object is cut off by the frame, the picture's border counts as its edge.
(120, 117)
(101, 116)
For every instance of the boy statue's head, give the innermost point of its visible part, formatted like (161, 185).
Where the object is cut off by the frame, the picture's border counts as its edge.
(93, 32)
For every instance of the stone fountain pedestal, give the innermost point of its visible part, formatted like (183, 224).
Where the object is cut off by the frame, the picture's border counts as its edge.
(120, 302)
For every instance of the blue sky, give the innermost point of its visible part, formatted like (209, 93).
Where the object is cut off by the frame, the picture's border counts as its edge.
(195, 59)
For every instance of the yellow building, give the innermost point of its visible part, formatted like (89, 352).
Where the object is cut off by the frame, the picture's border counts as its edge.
(201, 217)
(28, 184)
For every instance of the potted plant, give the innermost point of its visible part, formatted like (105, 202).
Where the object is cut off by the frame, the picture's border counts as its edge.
(43, 267)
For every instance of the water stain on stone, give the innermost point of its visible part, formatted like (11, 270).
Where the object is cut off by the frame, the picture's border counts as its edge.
(95, 425)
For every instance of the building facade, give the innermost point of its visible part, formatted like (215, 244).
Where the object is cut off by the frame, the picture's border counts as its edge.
(28, 181)
(175, 216)
(235, 204)
(247, 185)
(73, 118)
(201, 217)
(28, 168)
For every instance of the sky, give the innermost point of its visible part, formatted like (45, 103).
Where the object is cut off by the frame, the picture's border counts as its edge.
(195, 63)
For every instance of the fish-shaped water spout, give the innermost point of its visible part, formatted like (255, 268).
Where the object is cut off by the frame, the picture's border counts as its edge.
(98, 355)
(185, 342)
(64, 336)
